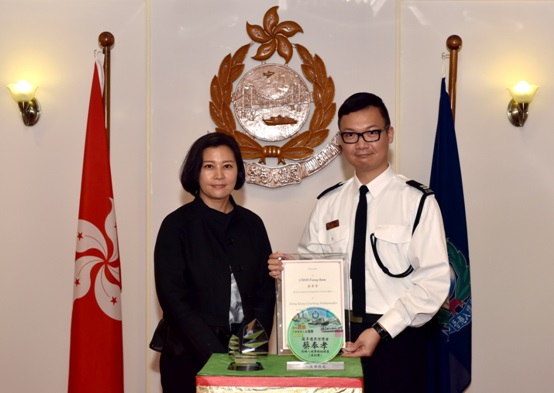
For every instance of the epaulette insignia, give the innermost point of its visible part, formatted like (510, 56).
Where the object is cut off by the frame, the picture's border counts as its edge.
(330, 189)
(421, 187)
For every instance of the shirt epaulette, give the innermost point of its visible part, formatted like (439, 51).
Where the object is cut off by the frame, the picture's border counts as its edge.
(421, 187)
(426, 192)
(330, 189)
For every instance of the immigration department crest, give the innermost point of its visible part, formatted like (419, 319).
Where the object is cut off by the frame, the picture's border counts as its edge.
(282, 121)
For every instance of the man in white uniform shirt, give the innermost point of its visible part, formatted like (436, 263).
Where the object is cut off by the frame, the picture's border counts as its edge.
(404, 263)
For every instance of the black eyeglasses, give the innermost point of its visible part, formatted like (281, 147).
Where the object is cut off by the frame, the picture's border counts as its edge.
(350, 137)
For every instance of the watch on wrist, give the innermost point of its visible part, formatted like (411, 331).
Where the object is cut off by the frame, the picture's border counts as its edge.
(385, 336)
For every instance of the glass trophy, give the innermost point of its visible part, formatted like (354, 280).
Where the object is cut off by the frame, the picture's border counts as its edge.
(244, 349)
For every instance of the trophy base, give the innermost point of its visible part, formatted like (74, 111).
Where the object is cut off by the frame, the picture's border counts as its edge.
(245, 367)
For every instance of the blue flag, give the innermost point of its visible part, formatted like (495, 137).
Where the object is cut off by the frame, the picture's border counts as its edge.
(450, 332)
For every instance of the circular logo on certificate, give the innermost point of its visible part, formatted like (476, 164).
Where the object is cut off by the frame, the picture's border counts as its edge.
(315, 335)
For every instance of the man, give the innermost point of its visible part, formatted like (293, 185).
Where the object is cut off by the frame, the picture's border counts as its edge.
(401, 259)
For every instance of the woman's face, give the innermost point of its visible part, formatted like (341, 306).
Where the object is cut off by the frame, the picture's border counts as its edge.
(218, 176)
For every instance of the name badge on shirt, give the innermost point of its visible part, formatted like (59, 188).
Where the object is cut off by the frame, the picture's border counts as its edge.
(332, 224)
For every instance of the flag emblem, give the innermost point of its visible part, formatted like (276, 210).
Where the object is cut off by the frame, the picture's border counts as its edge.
(96, 265)
(456, 312)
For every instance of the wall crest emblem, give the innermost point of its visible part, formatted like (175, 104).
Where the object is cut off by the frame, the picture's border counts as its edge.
(272, 103)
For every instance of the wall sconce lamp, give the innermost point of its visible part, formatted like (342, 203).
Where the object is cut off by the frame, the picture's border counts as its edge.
(522, 95)
(23, 93)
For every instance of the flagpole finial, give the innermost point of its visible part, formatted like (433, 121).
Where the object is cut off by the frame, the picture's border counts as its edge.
(454, 42)
(106, 40)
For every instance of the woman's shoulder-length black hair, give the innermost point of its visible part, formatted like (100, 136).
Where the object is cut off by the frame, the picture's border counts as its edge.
(190, 169)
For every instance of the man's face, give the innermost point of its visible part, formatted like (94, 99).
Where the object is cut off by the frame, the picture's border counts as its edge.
(368, 158)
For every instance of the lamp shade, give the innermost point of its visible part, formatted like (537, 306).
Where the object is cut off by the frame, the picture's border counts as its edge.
(523, 92)
(22, 91)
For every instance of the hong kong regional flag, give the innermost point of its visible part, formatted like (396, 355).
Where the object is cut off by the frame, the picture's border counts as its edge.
(96, 353)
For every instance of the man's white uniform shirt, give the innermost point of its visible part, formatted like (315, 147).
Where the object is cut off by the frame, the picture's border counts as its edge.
(392, 207)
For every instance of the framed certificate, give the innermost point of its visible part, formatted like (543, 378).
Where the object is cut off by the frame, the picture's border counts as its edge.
(308, 282)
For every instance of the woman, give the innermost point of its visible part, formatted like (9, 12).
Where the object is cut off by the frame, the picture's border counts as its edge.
(210, 264)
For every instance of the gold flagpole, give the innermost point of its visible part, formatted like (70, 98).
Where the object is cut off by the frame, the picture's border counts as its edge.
(454, 44)
(106, 40)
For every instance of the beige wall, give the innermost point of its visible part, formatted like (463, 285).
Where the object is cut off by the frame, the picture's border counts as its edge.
(165, 56)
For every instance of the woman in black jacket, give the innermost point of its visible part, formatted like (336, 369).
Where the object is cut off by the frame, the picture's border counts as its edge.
(210, 264)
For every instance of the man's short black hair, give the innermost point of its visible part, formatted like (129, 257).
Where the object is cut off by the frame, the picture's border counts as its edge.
(190, 169)
(358, 101)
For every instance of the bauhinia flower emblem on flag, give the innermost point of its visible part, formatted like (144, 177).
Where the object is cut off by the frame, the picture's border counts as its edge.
(97, 264)
(272, 102)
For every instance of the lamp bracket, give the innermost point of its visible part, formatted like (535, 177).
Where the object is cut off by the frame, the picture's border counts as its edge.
(517, 113)
(30, 111)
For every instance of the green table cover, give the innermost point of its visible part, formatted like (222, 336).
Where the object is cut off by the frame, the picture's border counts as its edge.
(276, 366)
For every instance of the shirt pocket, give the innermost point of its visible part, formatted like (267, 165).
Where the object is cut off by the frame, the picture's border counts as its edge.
(334, 240)
(392, 246)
